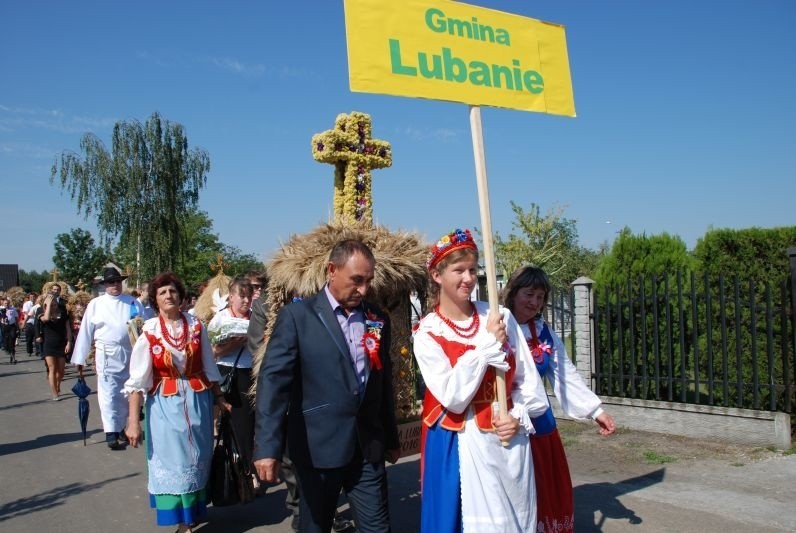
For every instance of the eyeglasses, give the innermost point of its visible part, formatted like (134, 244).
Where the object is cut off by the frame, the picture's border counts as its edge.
(256, 286)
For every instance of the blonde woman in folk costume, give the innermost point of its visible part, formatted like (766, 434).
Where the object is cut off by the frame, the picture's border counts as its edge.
(470, 481)
(526, 294)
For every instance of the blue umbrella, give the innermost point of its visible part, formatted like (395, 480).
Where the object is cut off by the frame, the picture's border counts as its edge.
(82, 390)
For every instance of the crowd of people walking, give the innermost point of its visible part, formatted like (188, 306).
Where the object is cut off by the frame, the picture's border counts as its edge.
(323, 417)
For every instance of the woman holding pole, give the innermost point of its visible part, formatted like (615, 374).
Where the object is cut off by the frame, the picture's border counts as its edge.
(477, 473)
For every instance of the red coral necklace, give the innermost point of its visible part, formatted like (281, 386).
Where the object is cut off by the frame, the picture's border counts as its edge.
(178, 342)
(466, 332)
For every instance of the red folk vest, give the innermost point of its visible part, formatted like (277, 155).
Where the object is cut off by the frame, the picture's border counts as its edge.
(481, 402)
(165, 373)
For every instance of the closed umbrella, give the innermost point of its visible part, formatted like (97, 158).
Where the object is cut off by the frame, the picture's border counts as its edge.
(82, 391)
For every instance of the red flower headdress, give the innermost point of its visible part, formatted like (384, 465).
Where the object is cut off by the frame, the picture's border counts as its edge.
(456, 240)
(371, 340)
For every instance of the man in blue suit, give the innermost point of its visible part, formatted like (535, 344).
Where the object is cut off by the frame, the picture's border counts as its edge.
(326, 388)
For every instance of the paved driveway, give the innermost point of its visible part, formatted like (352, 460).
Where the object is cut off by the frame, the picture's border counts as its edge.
(51, 482)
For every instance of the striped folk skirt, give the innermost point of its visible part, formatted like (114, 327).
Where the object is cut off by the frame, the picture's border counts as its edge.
(555, 506)
(179, 443)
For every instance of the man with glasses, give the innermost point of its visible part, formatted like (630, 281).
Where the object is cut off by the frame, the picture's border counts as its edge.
(105, 324)
(259, 311)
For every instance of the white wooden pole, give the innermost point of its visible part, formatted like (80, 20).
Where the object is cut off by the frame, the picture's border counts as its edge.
(486, 234)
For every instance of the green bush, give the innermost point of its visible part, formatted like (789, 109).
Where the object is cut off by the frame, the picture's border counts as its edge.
(726, 319)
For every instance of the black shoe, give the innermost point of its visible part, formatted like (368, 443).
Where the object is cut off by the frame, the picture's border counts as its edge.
(294, 522)
(112, 439)
(123, 438)
(342, 524)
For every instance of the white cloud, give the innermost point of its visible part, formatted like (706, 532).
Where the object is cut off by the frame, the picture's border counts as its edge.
(228, 64)
(443, 135)
(31, 111)
(14, 118)
(236, 66)
(158, 61)
(95, 122)
(296, 73)
(18, 149)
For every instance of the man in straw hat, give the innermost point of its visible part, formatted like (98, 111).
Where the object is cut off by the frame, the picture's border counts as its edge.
(105, 324)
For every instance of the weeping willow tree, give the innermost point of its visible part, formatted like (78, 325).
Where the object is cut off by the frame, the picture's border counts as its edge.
(141, 191)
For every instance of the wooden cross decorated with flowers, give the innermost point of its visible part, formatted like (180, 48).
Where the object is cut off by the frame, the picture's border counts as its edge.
(354, 154)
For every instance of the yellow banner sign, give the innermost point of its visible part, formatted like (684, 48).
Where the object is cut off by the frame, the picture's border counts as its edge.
(453, 51)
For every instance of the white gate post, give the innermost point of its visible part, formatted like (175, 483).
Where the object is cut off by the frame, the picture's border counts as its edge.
(584, 345)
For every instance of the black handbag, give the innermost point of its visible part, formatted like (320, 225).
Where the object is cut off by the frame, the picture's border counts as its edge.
(229, 385)
(231, 480)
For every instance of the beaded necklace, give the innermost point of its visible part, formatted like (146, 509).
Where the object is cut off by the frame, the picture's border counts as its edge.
(466, 332)
(179, 342)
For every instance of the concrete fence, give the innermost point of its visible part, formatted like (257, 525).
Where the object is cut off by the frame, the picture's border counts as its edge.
(722, 424)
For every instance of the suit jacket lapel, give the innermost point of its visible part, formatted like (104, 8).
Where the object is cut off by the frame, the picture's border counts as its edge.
(327, 317)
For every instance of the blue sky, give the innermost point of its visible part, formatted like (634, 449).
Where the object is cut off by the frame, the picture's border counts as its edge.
(685, 120)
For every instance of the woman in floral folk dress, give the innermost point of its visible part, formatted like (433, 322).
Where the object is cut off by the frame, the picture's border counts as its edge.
(173, 363)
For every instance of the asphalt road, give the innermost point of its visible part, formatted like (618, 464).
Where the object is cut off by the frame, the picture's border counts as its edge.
(52, 482)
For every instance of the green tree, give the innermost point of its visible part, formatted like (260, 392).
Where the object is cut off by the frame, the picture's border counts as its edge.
(33, 281)
(721, 316)
(579, 261)
(140, 191)
(202, 248)
(202, 251)
(752, 253)
(240, 262)
(193, 265)
(548, 241)
(632, 256)
(631, 279)
(753, 263)
(78, 257)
